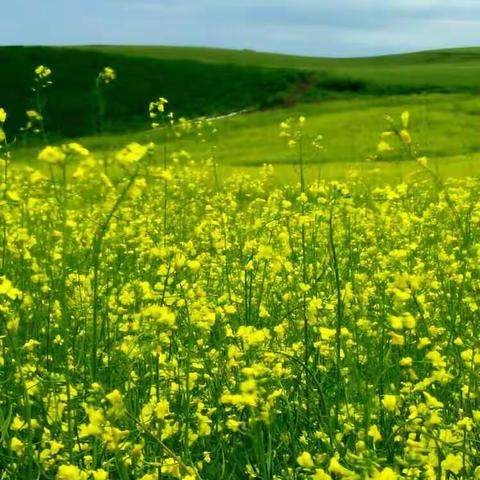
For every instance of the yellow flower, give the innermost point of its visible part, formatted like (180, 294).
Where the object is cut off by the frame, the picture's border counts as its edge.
(107, 75)
(305, 460)
(150, 476)
(7, 288)
(96, 422)
(160, 314)
(383, 147)
(53, 155)
(171, 466)
(18, 424)
(233, 425)
(17, 446)
(396, 322)
(131, 154)
(77, 149)
(117, 408)
(436, 359)
(100, 474)
(431, 401)
(70, 472)
(42, 71)
(409, 321)
(452, 463)
(338, 469)
(12, 194)
(321, 474)
(385, 474)
(406, 362)
(157, 107)
(405, 136)
(3, 115)
(34, 115)
(251, 336)
(241, 401)
(390, 402)
(162, 409)
(397, 339)
(374, 433)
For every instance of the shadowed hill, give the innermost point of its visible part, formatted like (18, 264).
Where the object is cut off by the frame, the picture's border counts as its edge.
(191, 88)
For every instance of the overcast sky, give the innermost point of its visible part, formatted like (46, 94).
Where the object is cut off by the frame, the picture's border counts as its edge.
(310, 27)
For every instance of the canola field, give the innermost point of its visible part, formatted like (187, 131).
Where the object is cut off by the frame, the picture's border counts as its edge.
(160, 322)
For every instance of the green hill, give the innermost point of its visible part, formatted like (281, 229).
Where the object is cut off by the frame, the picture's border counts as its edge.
(436, 69)
(201, 81)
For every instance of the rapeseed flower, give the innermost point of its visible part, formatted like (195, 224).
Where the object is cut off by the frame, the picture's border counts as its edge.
(305, 460)
(71, 472)
(53, 155)
(42, 72)
(132, 154)
(107, 75)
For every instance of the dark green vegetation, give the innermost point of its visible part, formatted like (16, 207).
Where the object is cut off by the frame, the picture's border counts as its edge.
(233, 80)
(191, 89)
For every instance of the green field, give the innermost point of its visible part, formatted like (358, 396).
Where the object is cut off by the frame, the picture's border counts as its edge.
(444, 126)
(345, 101)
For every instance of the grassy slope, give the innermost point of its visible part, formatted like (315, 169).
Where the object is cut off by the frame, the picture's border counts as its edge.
(445, 127)
(443, 69)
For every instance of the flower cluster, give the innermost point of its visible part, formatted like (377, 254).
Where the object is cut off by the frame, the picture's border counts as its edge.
(42, 72)
(107, 76)
(157, 108)
(57, 155)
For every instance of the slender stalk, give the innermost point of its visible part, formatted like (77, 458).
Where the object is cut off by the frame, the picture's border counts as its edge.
(339, 322)
(165, 197)
(306, 335)
(5, 192)
(40, 108)
(100, 104)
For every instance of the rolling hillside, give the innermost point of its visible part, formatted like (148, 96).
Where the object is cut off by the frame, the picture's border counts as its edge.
(200, 81)
(452, 69)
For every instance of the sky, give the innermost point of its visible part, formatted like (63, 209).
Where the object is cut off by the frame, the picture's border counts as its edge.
(308, 27)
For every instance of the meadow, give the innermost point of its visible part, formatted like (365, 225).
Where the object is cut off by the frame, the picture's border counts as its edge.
(289, 293)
